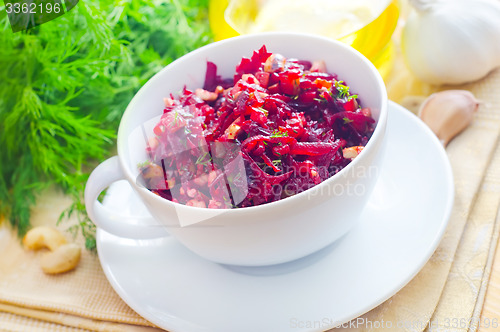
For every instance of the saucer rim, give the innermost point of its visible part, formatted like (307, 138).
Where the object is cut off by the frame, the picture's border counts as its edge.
(446, 218)
(430, 248)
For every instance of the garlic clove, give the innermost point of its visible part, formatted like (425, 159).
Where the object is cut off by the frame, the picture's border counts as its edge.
(448, 112)
(452, 42)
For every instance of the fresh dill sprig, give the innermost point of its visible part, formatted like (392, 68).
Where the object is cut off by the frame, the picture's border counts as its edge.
(65, 84)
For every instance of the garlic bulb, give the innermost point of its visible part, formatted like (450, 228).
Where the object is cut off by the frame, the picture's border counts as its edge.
(452, 41)
(448, 112)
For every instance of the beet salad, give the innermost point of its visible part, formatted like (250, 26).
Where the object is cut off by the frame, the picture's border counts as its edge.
(278, 127)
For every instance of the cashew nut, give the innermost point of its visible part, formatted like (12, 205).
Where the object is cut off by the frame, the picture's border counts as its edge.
(43, 237)
(63, 259)
(63, 256)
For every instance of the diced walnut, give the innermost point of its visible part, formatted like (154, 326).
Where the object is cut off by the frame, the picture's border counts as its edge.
(196, 203)
(206, 95)
(261, 94)
(213, 204)
(201, 180)
(232, 131)
(171, 183)
(352, 152)
(219, 89)
(192, 192)
(152, 171)
(274, 62)
(236, 94)
(168, 101)
(318, 66)
(366, 112)
(211, 177)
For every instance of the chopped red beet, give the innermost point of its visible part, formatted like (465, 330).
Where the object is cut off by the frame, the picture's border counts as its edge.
(282, 127)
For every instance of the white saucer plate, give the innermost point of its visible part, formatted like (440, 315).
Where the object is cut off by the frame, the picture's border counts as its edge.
(399, 230)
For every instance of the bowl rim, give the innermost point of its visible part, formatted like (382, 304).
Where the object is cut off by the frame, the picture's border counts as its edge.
(377, 135)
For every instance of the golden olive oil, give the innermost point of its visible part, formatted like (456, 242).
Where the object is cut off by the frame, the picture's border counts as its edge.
(366, 25)
(218, 24)
(374, 39)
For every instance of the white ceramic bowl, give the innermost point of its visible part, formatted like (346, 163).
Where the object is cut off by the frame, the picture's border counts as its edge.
(267, 234)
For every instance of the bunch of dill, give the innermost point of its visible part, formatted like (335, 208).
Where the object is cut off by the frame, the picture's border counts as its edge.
(65, 84)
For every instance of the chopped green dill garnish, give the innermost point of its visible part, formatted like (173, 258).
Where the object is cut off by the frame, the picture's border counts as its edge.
(237, 177)
(261, 165)
(276, 162)
(279, 133)
(143, 164)
(347, 120)
(263, 110)
(342, 89)
(203, 159)
(176, 115)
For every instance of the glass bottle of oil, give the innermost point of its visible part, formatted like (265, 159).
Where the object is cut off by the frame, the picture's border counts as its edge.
(366, 25)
